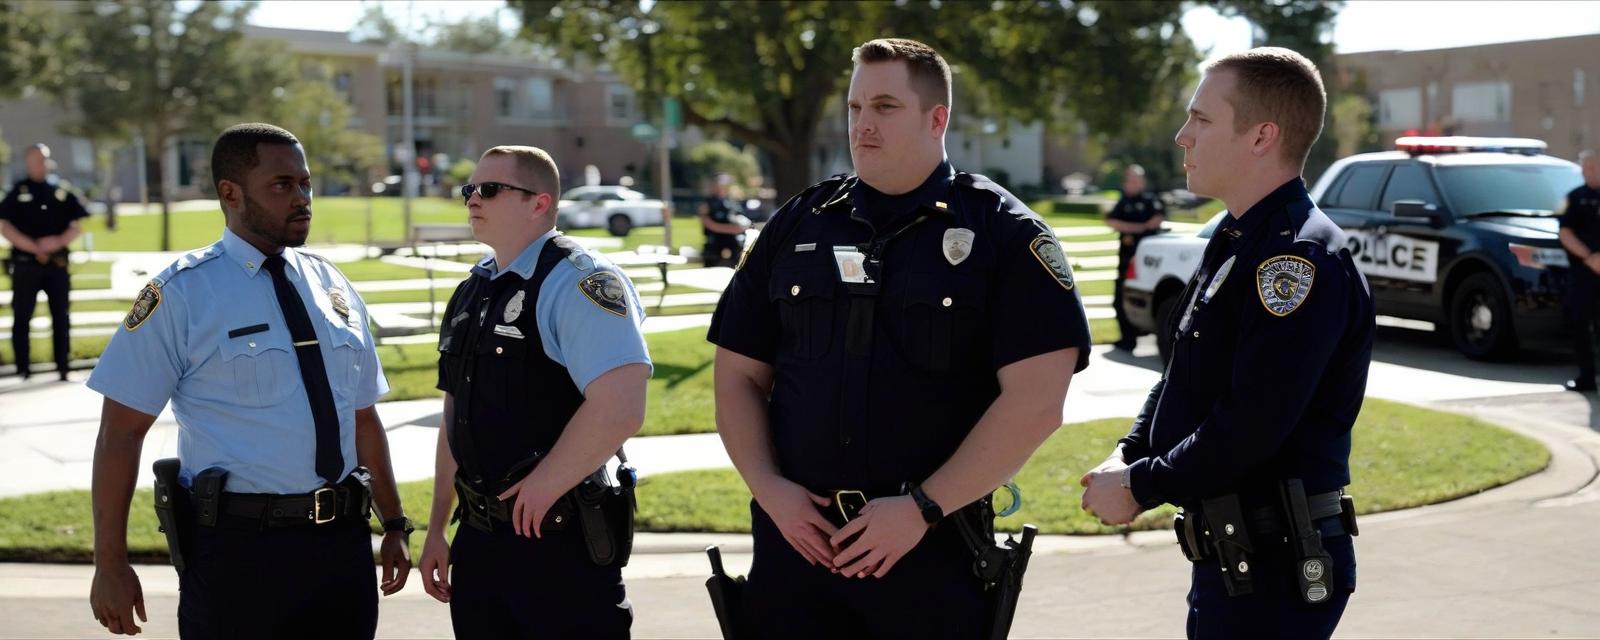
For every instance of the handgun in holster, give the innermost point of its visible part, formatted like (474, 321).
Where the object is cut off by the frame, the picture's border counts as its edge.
(171, 508)
(605, 511)
(998, 567)
(1229, 538)
(1311, 562)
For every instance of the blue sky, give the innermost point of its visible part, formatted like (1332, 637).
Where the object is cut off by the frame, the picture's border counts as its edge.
(1363, 25)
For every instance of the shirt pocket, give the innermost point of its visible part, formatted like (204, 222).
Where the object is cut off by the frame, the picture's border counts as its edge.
(349, 351)
(805, 299)
(939, 316)
(501, 368)
(265, 373)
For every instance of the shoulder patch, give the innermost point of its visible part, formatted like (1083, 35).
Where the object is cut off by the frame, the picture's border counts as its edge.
(1048, 252)
(143, 306)
(1284, 282)
(605, 290)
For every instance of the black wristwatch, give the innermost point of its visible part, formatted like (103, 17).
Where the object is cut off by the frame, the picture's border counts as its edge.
(932, 513)
(401, 523)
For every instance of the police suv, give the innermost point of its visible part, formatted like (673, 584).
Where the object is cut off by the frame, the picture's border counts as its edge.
(1455, 231)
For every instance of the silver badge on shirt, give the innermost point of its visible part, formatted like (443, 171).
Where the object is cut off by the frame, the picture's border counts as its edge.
(957, 245)
(514, 307)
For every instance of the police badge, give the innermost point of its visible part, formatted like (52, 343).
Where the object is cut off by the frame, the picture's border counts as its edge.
(606, 291)
(1048, 252)
(514, 307)
(957, 245)
(1283, 283)
(149, 298)
(341, 306)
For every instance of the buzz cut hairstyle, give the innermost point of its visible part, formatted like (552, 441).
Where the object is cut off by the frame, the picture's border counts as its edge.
(1280, 86)
(535, 168)
(234, 154)
(42, 148)
(930, 74)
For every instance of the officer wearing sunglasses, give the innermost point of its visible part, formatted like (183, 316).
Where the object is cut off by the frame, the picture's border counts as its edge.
(543, 368)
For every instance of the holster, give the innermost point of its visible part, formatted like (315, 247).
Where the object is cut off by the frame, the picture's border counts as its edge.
(172, 507)
(1312, 564)
(206, 494)
(606, 511)
(1229, 537)
(998, 567)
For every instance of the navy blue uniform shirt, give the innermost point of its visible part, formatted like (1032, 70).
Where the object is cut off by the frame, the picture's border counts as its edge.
(41, 208)
(1582, 216)
(1269, 365)
(1139, 207)
(945, 285)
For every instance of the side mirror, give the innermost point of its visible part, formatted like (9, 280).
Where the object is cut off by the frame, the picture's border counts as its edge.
(1417, 211)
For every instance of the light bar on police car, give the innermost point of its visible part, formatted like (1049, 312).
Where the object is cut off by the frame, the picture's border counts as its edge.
(1459, 144)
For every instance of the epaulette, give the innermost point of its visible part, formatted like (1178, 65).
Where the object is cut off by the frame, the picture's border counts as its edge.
(576, 253)
(186, 262)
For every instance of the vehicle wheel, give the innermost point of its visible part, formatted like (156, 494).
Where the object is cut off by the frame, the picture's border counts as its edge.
(1164, 310)
(619, 225)
(1480, 318)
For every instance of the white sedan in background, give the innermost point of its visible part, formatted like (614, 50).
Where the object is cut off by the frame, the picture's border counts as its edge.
(618, 209)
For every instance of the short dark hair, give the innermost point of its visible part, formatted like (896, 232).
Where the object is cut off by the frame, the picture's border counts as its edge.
(1280, 86)
(930, 74)
(234, 153)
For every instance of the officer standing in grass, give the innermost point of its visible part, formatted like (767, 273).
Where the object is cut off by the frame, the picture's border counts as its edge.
(39, 217)
(1249, 428)
(1137, 214)
(723, 225)
(264, 352)
(893, 348)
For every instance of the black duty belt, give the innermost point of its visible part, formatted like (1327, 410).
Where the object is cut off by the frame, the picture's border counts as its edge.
(1327, 511)
(345, 503)
(487, 512)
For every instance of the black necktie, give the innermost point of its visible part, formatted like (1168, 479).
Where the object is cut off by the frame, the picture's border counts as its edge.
(330, 463)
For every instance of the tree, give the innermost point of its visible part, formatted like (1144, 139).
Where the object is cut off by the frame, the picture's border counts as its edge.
(1352, 126)
(319, 115)
(708, 159)
(157, 70)
(765, 73)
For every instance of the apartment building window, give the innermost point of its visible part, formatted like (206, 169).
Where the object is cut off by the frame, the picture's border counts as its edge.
(425, 91)
(619, 104)
(343, 82)
(504, 96)
(541, 99)
(1481, 102)
(1400, 108)
(1577, 87)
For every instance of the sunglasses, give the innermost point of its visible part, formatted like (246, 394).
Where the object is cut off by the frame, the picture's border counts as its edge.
(489, 190)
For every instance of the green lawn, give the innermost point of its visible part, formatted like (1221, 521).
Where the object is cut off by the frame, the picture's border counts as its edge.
(1403, 456)
(374, 270)
(336, 219)
(89, 275)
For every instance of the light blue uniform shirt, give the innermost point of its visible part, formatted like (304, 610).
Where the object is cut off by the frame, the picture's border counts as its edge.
(577, 332)
(240, 401)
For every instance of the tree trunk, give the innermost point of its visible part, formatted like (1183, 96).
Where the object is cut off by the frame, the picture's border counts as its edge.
(155, 162)
(791, 169)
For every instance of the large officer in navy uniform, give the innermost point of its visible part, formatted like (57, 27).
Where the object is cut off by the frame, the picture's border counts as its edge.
(265, 354)
(39, 217)
(903, 337)
(1249, 429)
(544, 368)
(1580, 236)
(1137, 214)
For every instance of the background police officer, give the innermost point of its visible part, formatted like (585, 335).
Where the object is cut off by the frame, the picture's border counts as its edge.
(39, 217)
(1580, 235)
(723, 225)
(1270, 364)
(1138, 213)
(265, 354)
(903, 336)
(542, 361)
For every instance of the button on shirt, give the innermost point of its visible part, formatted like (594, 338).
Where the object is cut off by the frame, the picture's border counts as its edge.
(1269, 364)
(216, 345)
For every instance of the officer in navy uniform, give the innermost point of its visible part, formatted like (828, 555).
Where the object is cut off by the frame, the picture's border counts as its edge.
(724, 227)
(1249, 428)
(1137, 214)
(1580, 236)
(903, 339)
(544, 367)
(264, 352)
(39, 217)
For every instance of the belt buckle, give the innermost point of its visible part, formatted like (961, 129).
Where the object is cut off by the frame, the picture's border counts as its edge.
(849, 510)
(316, 506)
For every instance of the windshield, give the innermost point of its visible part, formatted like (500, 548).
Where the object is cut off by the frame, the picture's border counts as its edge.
(1514, 188)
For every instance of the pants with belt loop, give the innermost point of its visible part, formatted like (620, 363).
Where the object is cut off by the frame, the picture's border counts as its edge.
(505, 586)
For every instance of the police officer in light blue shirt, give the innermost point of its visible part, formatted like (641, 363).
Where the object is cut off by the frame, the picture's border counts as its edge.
(544, 368)
(265, 354)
